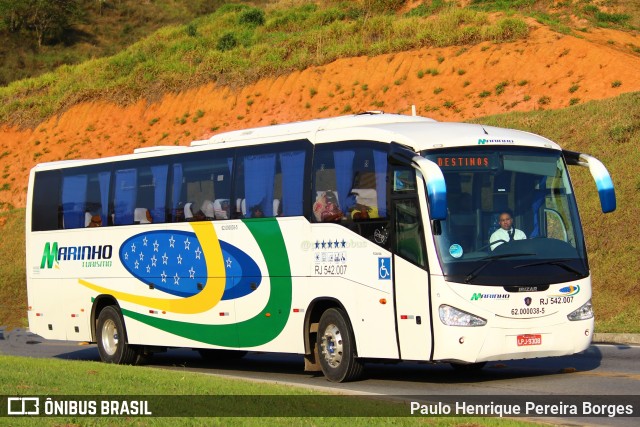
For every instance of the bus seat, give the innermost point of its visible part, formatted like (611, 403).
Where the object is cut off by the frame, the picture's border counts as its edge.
(141, 216)
(241, 207)
(87, 219)
(188, 212)
(367, 198)
(221, 208)
(207, 209)
(276, 207)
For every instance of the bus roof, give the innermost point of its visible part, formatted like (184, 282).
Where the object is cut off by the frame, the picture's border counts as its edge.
(419, 133)
(306, 129)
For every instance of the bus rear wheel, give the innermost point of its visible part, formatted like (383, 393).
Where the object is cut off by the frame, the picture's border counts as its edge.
(336, 347)
(111, 337)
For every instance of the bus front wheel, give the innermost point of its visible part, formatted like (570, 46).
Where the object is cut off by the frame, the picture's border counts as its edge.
(111, 338)
(336, 347)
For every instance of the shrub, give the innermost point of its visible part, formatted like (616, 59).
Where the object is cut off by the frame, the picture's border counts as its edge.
(228, 41)
(253, 17)
(192, 31)
(544, 100)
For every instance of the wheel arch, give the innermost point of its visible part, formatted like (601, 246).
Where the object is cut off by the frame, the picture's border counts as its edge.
(312, 318)
(100, 302)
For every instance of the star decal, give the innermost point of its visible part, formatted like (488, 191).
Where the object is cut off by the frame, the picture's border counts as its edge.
(187, 244)
(172, 242)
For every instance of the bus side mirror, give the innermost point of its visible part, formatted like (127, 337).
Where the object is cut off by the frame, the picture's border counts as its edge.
(600, 174)
(436, 187)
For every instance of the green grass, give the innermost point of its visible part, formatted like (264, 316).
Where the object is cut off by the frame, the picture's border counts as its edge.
(13, 296)
(221, 47)
(50, 377)
(619, 14)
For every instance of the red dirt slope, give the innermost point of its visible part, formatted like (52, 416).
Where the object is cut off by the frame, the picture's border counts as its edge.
(548, 70)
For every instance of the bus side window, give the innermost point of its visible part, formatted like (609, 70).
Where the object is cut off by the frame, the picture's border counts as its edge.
(409, 242)
(46, 211)
(350, 187)
(270, 181)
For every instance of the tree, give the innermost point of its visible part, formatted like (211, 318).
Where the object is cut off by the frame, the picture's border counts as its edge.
(45, 19)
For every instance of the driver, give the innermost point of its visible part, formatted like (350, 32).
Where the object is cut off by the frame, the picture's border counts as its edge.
(506, 232)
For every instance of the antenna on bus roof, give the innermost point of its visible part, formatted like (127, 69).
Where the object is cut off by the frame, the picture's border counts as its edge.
(413, 110)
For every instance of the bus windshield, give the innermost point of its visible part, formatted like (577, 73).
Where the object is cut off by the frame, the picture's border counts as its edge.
(512, 218)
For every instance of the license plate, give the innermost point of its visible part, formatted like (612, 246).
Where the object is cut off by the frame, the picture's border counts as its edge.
(529, 339)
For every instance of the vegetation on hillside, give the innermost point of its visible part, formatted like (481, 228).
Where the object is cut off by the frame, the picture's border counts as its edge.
(37, 36)
(239, 44)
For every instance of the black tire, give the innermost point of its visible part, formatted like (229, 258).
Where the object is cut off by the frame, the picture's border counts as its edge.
(336, 347)
(212, 354)
(468, 367)
(111, 337)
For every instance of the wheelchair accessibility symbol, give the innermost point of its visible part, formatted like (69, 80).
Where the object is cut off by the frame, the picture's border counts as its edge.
(384, 268)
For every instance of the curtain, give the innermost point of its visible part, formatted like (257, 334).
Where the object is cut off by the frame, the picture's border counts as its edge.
(177, 187)
(343, 161)
(160, 192)
(538, 201)
(125, 197)
(380, 164)
(259, 175)
(292, 165)
(74, 200)
(104, 178)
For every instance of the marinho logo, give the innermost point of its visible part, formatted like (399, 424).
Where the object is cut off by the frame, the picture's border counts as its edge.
(483, 141)
(91, 256)
(478, 296)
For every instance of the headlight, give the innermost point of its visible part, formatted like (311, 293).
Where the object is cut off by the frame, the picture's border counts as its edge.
(451, 316)
(583, 313)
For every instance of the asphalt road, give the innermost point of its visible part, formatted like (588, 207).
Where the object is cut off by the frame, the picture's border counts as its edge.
(602, 370)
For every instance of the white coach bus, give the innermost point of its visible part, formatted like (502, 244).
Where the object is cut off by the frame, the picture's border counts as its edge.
(350, 239)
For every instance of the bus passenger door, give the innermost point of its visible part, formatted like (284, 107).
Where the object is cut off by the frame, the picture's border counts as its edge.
(411, 280)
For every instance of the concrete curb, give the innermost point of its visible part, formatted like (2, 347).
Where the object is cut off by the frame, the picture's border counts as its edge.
(609, 338)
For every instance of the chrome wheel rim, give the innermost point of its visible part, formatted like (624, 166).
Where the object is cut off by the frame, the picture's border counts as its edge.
(110, 337)
(331, 343)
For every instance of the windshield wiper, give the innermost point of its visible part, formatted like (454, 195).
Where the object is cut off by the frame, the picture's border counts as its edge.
(559, 262)
(474, 273)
